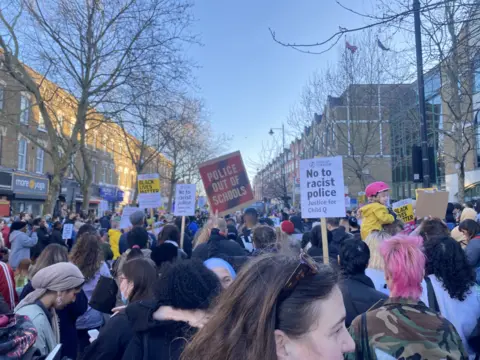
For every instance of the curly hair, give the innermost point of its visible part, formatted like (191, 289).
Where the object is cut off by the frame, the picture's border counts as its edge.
(448, 262)
(87, 254)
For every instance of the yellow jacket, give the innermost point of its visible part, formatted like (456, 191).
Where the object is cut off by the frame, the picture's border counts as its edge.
(373, 216)
(114, 236)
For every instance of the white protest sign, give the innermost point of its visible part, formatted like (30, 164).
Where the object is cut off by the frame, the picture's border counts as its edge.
(322, 187)
(185, 200)
(125, 219)
(149, 196)
(67, 231)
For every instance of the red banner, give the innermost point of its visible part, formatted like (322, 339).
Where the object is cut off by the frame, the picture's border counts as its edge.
(226, 183)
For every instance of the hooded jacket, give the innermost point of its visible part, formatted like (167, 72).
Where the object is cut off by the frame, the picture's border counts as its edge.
(21, 244)
(374, 216)
(218, 244)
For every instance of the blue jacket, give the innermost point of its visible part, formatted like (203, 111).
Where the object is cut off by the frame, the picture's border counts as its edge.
(21, 244)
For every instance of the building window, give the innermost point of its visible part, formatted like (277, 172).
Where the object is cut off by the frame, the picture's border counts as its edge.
(94, 172)
(94, 145)
(105, 143)
(112, 171)
(39, 162)
(24, 109)
(2, 96)
(22, 154)
(41, 122)
(113, 146)
(104, 174)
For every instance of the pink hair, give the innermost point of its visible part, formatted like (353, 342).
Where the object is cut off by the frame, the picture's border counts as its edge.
(404, 265)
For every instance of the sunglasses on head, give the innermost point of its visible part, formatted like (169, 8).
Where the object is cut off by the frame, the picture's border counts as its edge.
(306, 267)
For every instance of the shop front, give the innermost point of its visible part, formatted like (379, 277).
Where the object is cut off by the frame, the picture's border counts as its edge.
(29, 193)
(6, 193)
(112, 195)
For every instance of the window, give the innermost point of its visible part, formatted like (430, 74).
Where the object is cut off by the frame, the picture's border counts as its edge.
(105, 143)
(2, 96)
(39, 162)
(112, 171)
(94, 140)
(94, 172)
(41, 122)
(104, 174)
(22, 154)
(24, 109)
(113, 146)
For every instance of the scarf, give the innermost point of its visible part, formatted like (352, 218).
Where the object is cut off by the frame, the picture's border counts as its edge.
(57, 277)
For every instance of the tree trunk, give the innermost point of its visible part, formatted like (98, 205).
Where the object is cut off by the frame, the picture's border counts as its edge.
(85, 189)
(461, 184)
(170, 195)
(53, 192)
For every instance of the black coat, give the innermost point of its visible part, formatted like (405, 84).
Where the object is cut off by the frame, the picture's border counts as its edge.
(316, 252)
(216, 246)
(359, 295)
(56, 237)
(105, 222)
(155, 340)
(112, 341)
(43, 241)
(339, 235)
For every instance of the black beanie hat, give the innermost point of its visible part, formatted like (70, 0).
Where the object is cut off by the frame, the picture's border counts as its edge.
(187, 285)
(164, 253)
(18, 225)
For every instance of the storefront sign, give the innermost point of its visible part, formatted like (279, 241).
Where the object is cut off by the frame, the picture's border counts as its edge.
(29, 185)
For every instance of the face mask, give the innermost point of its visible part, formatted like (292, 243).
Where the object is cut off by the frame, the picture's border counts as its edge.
(124, 298)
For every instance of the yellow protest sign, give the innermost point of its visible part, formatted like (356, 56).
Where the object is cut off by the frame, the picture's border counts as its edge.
(149, 196)
(405, 213)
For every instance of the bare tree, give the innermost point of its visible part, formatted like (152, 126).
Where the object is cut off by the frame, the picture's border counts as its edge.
(93, 49)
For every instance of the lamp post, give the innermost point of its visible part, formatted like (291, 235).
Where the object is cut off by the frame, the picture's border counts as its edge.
(284, 175)
(421, 94)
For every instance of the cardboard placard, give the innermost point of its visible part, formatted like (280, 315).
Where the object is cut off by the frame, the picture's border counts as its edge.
(322, 187)
(149, 196)
(67, 231)
(431, 203)
(226, 183)
(185, 199)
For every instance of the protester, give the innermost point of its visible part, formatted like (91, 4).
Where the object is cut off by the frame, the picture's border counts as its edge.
(339, 234)
(187, 236)
(250, 217)
(451, 288)
(316, 250)
(232, 232)
(105, 221)
(7, 285)
(358, 290)
(42, 235)
(224, 271)
(17, 337)
(105, 245)
(87, 254)
(136, 284)
(5, 230)
(184, 294)
(471, 233)
(375, 214)
(21, 275)
(376, 265)
(354, 226)
(418, 332)
(170, 234)
(218, 243)
(298, 226)
(137, 220)
(467, 214)
(53, 254)
(56, 235)
(55, 287)
(450, 217)
(21, 243)
(163, 256)
(264, 240)
(114, 235)
(278, 307)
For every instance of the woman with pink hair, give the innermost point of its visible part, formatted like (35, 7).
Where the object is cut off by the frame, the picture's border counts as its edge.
(403, 326)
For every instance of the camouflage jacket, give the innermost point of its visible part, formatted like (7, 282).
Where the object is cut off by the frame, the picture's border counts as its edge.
(407, 330)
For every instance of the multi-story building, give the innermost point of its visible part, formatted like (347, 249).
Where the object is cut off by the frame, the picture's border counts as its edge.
(25, 168)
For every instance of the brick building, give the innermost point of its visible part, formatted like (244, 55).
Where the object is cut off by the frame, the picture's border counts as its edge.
(25, 169)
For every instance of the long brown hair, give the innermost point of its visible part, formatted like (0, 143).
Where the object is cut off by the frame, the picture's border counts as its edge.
(52, 254)
(143, 275)
(249, 311)
(87, 254)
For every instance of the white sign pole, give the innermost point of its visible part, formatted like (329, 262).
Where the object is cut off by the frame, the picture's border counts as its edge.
(182, 234)
(322, 192)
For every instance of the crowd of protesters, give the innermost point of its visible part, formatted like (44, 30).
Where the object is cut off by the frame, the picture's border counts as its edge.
(242, 286)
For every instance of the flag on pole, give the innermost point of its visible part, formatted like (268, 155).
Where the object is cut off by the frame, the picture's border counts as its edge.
(350, 47)
(381, 46)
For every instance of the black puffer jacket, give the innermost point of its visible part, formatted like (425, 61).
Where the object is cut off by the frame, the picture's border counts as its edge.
(155, 340)
(359, 295)
(339, 235)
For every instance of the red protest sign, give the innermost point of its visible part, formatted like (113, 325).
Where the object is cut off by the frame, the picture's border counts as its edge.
(226, 183)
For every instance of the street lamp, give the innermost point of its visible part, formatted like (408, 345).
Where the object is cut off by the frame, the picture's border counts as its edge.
(285, 196)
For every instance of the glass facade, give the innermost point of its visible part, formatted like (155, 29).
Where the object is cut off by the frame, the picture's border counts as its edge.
(405, 132)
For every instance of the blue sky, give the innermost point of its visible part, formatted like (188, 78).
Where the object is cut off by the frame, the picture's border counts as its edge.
(249, 82)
